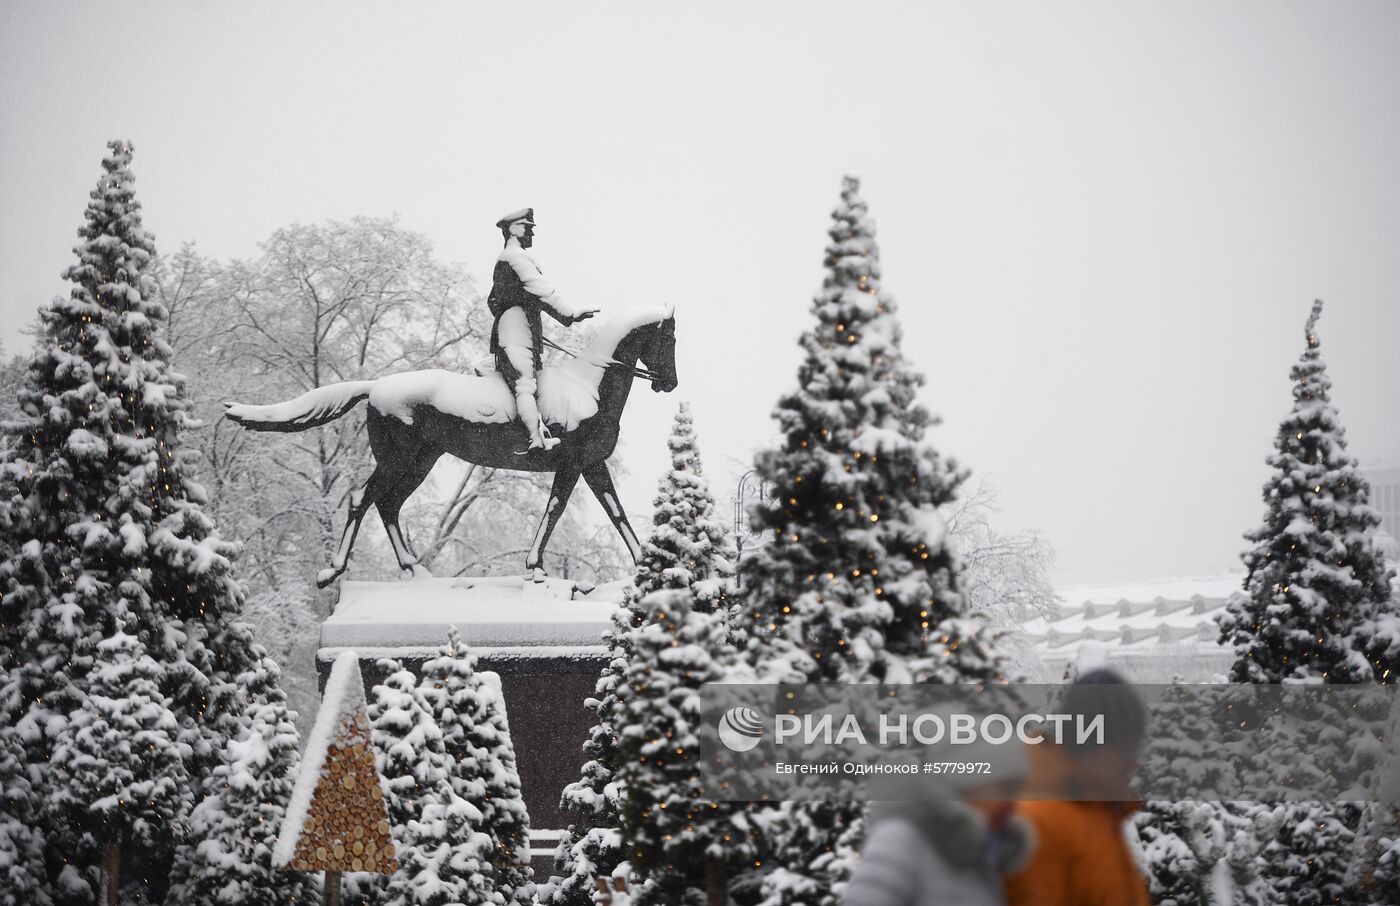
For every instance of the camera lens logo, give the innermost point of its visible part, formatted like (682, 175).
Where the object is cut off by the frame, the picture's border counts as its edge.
(740, 729)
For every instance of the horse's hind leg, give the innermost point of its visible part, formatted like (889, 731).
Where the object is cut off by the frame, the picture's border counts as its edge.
(383, 477)
(600, 482)
(392, 501)
(564, 481)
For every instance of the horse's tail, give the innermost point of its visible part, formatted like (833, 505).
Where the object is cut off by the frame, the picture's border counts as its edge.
(312, 409)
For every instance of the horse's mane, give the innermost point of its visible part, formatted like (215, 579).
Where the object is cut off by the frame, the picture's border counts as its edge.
(610, 335)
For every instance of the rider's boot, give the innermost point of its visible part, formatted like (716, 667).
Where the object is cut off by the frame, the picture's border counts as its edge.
(540, 438)
(529, 414)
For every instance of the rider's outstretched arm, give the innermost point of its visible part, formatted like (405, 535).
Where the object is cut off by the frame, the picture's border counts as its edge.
(537, 286)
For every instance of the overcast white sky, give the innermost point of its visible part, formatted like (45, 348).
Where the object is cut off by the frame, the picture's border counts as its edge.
(1105, 222)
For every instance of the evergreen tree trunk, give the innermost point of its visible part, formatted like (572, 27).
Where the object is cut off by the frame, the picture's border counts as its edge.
(111, 864)
(716, 882)
(332, 897)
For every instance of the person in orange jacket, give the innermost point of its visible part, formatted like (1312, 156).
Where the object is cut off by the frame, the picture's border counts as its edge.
(1078, 801)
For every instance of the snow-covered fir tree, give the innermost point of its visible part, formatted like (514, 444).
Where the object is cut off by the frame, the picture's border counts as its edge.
(226, 856)
(857, 583)
(688, 547)
(506, 821)
(1306, 862)
(21, 846)
(1374, 874)
(481, 763)
(1196, 849)
(1382, 635)
(686, 550)
(101, 528)
(444, 859)
(439, 850)
(1315, 582)
(1380, 883)
(677, 842)
(1308, 849)
(1314, 573)
(592, 848)
(117, 770)
(1199, 853)
(409, 756)
(57, 583)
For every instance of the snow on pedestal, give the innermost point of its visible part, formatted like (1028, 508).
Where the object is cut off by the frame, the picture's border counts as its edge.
(337, 820)
(493, 612)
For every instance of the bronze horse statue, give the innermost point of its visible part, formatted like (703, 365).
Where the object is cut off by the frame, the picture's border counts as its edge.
(417, 416)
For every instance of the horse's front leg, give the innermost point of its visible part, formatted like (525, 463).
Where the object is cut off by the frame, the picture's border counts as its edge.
(564, 481)
(600, 481)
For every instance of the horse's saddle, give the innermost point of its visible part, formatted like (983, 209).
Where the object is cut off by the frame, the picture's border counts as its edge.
(568, 394)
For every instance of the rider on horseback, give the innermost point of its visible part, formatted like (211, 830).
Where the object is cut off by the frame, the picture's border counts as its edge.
(518, 294)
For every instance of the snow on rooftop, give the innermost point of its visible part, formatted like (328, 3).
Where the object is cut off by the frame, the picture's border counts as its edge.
(1172, 589)
(498, 611)
(1163, 619)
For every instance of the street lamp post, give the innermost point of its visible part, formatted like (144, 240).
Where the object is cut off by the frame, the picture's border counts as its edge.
(751, 488)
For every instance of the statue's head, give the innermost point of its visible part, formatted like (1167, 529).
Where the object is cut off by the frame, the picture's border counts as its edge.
(519, 224)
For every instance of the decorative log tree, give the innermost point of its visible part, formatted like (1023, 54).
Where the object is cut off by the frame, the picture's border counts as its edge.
(337, 820)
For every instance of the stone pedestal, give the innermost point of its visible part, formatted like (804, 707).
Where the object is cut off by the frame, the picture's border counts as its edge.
(543, 641)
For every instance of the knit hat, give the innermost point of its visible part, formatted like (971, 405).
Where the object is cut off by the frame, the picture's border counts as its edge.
(1103, 693)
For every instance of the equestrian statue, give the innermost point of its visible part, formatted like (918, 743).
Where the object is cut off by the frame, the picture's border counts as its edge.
(563, 418)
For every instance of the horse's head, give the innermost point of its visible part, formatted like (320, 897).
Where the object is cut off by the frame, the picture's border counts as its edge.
(658, 355)
(645, 334)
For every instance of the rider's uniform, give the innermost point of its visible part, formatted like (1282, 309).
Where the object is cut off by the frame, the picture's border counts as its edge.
(518, 294)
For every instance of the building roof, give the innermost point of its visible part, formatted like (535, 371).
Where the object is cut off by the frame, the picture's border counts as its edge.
(1161, 617)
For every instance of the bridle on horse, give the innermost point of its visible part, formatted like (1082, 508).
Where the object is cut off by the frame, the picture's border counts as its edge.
(638, 371)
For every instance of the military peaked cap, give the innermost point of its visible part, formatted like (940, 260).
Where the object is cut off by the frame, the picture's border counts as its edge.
(524, 215)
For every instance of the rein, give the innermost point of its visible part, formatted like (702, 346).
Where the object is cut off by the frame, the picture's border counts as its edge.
(637, 370)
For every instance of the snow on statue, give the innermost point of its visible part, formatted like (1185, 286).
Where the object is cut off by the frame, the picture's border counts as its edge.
(518, 294)
(415, 417)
